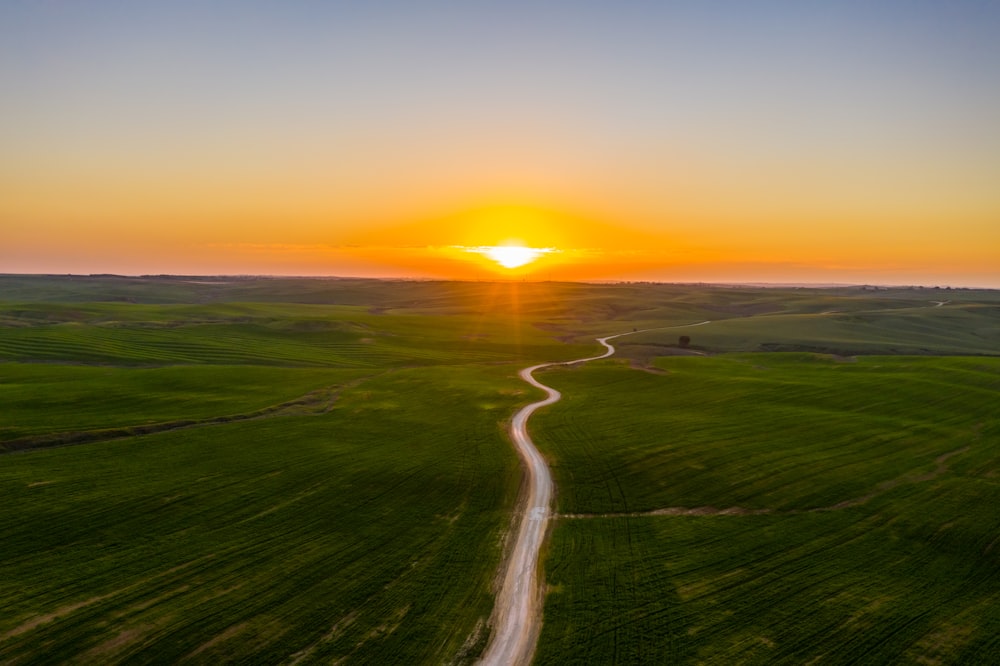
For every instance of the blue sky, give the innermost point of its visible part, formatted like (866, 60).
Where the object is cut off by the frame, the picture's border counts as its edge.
(869, 118)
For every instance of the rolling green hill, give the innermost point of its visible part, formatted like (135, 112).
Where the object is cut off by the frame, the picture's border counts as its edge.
(279, 470)
(775, 508)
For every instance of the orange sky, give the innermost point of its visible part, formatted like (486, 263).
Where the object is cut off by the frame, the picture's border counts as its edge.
(786, 144)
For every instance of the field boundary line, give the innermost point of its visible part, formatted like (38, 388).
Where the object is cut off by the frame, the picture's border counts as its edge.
(320, 400)
(912, 477)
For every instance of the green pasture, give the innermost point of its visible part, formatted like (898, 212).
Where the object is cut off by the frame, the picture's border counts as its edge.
(41, 398)
(911, 578)
(256, 334)
(370, 532)
(951, 329)
(338, 489)
(283, 470)
(776, 431)
(816, 511)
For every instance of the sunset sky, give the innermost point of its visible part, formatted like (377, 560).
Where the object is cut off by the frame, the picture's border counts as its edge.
(798, 141)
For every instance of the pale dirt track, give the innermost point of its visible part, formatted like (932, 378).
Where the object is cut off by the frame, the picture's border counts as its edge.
(517, 616)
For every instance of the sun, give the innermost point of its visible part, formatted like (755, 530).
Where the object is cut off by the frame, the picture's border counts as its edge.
(511, 256)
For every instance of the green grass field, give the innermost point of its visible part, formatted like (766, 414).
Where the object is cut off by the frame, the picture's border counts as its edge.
(321, 500)
(44, 398)
(775, 508)
(369, 532)
(950, 329)
(215, 470)
(774, 431)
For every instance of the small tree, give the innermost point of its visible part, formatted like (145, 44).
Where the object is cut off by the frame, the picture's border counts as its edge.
(684, 341)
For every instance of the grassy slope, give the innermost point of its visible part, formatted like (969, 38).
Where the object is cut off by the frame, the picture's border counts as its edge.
(756, 430)
(952, 329)
(368, 532)
(910, 573)
(43, 398)
(260, 334)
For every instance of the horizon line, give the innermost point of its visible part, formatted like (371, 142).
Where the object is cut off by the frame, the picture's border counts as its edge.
(703, 283)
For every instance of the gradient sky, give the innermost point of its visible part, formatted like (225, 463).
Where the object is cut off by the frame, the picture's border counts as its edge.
(717, 141)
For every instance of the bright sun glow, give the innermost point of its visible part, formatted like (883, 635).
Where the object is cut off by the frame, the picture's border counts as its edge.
(510, 256)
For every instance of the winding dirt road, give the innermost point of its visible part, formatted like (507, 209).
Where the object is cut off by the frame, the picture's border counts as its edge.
(517, 615)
